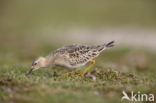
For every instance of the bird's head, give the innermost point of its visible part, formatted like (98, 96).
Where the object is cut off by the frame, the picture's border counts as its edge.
(36, 64)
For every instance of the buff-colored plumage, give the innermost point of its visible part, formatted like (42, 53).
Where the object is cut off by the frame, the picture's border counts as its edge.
(70, 56)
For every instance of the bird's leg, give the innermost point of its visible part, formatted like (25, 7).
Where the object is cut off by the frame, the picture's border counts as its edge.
(82, 74)
(70, 72)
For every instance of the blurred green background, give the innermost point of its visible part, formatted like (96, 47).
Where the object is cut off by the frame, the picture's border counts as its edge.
(33, 28)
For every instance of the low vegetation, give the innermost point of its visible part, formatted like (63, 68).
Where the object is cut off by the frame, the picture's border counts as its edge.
(115, 71)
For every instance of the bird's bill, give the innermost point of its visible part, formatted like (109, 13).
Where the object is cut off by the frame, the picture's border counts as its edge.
(29, 72)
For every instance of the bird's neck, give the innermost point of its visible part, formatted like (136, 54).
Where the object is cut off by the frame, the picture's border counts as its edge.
(44, 62)
(50, 59)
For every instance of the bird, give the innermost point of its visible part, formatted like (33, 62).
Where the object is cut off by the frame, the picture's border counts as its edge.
(70, 56)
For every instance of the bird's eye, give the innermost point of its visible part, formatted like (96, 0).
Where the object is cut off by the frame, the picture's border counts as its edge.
(35, 63)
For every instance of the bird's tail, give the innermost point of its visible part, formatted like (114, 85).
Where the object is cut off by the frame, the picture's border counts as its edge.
(105, 46)
(109, 44)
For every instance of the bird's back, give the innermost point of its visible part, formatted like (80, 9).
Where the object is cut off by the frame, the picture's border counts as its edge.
(76, 55)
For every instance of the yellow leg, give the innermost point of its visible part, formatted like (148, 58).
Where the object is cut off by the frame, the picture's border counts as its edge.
(82, 74)
(70, 72)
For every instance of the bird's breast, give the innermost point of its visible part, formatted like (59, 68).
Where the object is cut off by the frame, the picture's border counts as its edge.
(69, 66)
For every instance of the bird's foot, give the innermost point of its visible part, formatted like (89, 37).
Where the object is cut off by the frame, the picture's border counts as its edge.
(69, 72)
(80, 74)
(65, 74)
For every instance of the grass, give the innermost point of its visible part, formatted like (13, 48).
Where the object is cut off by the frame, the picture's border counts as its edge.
(103, 84)
(116, 70)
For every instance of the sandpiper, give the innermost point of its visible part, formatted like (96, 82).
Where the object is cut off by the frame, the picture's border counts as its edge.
(70, 56)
